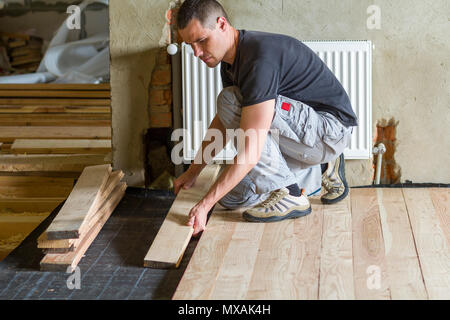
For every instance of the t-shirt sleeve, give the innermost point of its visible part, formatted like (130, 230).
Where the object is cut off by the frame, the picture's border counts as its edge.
(226, 81)
(258, 82)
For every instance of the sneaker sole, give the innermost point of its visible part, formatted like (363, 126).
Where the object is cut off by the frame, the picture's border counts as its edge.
(290, 215)
(341, 174)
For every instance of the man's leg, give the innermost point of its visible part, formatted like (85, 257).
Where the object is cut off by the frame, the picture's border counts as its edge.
(310, 138)
(269, 174)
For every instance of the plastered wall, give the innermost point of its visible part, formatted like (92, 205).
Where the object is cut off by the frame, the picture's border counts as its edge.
(410, 70)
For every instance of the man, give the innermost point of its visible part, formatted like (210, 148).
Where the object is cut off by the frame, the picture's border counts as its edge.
(271, 82)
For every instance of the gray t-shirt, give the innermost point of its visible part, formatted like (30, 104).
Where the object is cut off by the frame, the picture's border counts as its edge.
(267, 65)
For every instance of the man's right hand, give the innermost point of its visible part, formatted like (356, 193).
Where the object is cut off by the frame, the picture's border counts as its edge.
(185, 181)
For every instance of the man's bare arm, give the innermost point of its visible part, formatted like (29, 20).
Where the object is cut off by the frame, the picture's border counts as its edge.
(187, 179)
(257, 118)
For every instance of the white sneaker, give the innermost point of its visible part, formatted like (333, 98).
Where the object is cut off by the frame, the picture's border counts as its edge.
(279, 206)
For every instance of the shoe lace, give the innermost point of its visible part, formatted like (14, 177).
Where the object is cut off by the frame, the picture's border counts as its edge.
(274, 197)
(328, 185)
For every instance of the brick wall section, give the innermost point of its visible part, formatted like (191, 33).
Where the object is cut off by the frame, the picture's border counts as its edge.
(390, 171)
(160, 92)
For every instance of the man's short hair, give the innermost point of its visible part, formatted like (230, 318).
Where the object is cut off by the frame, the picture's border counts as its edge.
(205, 11)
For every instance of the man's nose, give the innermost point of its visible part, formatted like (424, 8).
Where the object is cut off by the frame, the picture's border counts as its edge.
(197, 50)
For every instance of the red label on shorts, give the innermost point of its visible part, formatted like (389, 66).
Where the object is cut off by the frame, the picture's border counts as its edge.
(286, 106)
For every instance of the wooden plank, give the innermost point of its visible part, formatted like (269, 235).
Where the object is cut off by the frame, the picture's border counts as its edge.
(55, 102)
(369, 265)
(441, 202)
(38, 94)
(111, 184)
(288, 261)
(57, 120)
(172, 239)
(34, 187)
(91, 220)
(55, 86)
(57, 250)
(235, 274)
(80, 203)
(336, 258)
(34, 117)
(44, 243)
(69, 261)
(66, 146)
(430, 242)
(50, 163)
(199, 278)
(18, 205)
(404, 274)
(9, 134)
(63, 109)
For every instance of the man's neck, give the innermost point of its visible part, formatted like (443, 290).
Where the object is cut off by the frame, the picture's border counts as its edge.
(231, 53)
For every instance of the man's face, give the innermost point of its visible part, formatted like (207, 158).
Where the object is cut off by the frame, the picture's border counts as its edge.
(208, 45)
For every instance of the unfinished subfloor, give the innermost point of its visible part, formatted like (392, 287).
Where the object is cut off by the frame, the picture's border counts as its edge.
(376, 244)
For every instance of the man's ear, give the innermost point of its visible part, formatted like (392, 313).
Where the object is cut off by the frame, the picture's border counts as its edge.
(222, 23)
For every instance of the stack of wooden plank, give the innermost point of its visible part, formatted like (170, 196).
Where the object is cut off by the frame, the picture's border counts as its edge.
(69, 119)
(24, 51)
(88, 207)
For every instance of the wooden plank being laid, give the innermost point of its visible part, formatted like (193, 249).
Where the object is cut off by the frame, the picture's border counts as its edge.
(404, 274)
(172, 239)
(199, 278)
(55, 102)
(57, 109)
(336, 258)
(9, 134)
(18, 205)
(288, 259)
(369, 263)
(69, 261)
(81, 202)
(66, 146)
(50, 163)
(431, 243)
(34, 187)
(55, 86)
(53, 93)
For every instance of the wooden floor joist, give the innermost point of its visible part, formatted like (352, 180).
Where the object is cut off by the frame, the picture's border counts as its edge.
(81, 203)
(173, 237)
(60, 146)
(375, 244)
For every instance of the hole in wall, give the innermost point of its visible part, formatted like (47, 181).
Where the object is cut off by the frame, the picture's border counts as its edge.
(386, 134)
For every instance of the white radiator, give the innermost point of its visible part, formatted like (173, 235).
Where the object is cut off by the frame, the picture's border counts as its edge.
(350, 61)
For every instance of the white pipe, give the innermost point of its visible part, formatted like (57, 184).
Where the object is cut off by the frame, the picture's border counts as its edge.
(379, 150)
